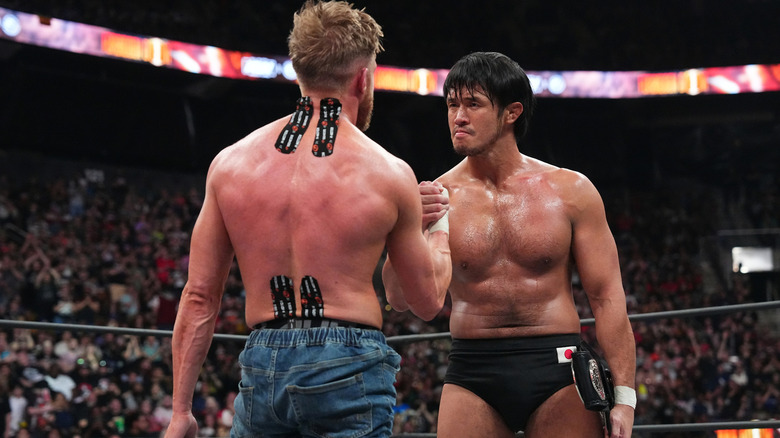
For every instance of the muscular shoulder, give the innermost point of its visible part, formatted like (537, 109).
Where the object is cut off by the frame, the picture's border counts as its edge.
(576, 190)
(567, 183)
(249, 150)
(575, 182)
(572, 188)
(386, 167)
(569, 179)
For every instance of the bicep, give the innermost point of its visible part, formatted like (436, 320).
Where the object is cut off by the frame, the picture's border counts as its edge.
(211, 252)
(594, 248)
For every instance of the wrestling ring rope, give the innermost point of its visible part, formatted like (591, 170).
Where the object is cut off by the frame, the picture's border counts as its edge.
(405, 339)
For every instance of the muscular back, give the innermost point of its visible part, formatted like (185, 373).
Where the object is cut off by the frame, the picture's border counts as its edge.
(511, 252)
(297, 215)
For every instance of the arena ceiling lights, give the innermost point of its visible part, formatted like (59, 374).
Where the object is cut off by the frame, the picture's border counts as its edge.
(208, 60)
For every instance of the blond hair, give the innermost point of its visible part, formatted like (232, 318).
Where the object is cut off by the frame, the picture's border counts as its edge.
(327, 39)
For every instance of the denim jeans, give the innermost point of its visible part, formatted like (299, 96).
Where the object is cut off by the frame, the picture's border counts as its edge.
(317, 382)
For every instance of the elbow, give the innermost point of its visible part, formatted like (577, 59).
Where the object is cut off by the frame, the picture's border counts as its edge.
(200, 300)
(397, 303)
(428, 305)
(429, 310)
(427, 316)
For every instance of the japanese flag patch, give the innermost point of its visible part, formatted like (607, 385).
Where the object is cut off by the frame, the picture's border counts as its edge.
(564, 353)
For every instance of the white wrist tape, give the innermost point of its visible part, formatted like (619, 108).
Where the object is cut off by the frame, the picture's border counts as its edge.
(625, 396)
(443, 224)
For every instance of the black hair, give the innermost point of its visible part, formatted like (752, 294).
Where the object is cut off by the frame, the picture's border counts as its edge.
(501, 79)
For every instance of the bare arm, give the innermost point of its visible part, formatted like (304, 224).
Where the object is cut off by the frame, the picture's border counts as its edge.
(211, 255)
(393, 292)
(418, 268)
(438, 245)
(598, 266)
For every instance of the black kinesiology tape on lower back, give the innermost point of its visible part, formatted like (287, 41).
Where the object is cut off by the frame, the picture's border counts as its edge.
(283, 295)
(311, 298)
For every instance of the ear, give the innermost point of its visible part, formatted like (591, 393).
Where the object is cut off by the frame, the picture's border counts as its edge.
(512, 112)
(360, 84)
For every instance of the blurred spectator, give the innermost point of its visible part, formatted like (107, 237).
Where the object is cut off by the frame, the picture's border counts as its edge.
(164, 411)
(114, 253)
(17, 417)
(58, 382)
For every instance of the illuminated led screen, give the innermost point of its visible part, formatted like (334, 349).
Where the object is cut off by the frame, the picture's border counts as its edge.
(98, 41)
(745, 433)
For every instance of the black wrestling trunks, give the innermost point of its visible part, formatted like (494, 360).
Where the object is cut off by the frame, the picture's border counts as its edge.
(513, 375)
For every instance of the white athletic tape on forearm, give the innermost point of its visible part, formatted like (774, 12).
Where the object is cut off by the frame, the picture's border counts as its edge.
(443, 224)
(625, 396)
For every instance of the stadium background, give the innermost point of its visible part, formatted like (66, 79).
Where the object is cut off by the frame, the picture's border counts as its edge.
(61, 107)
(119, 111)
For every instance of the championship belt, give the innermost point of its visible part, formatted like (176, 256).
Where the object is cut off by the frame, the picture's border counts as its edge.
(593, 380)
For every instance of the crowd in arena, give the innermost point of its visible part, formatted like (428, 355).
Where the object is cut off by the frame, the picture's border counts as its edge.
(107, 246)
(100, 247)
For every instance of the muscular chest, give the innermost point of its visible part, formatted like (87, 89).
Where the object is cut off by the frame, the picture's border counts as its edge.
(529, 229)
